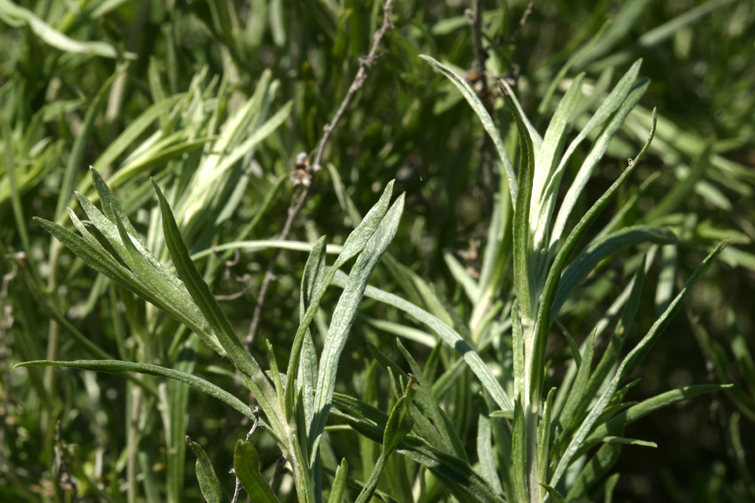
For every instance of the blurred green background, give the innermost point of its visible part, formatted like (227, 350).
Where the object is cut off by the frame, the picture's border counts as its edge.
(408, 124)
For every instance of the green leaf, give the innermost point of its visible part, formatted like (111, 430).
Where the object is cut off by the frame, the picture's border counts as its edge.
(17, 16)
(209, 483)
(400, 422)
(616, 424)
(609, 245)
(629, 364)
(557, 498)
(544, 434)
(314, 271)
(482, 113)
(96, 257)
(447, 334)
(346, 311)
(579, 387)
(519, 448)
(246, 464)
(208, 304)
(431, 408)
(485, 450)
(462, 277)
(339, 483)
(117, 367)
(621, 100)
(537, 140)
(456, 475)
(356, 484)
(594, 470)
(546, 162)
(398, 426)
(354, 244)
(546, 312)
(523, 251)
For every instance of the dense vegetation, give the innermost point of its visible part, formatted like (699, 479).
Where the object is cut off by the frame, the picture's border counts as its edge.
(531, 235)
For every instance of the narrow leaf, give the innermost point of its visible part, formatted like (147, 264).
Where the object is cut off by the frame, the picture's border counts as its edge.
(447, 334)
(208, 304)
(345, 313)
(339, 483)
(629, 364)
(523, 251)
(117, 367)
(482, 113)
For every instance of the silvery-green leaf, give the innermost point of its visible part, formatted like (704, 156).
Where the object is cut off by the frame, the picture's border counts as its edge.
(546, 162)
(346, 311)
(208, 304)
(354, 244)
(579, 387)
(606, 247)
(557, 497)
(485, 450)
(339, 483)
(596, 153)
(519, 450)
(118, 366)
(487, 122)
(430, 407)
(553, 280)
(449, 336)
(594, 470)
(617, 423)
(544, 438)
(524, 253)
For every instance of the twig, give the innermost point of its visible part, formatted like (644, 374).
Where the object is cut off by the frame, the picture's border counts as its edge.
(5, 324)
(512, 38)
(63, 474)
(478, 78)
(481, 54)
(256, 413)
(245, 280)
(313, 168)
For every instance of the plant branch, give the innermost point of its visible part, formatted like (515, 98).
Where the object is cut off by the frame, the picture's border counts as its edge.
(481, 54)
(313, 168)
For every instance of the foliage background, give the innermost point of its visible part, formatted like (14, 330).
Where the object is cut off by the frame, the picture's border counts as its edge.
(407, 124)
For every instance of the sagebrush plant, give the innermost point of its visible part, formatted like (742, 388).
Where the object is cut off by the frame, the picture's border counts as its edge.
(534, 442)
